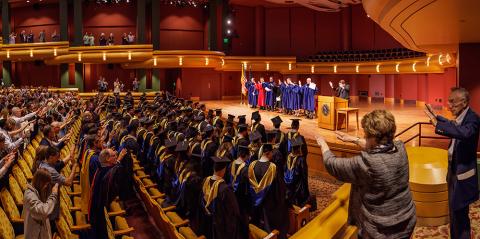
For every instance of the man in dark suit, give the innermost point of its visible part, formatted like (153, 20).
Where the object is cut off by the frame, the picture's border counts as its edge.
(462, 177)
(343, 89)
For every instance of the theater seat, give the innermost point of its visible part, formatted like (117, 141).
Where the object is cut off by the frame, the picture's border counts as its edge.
(22, 163)
(15, 190)
(116, 209)
(120, 228)
(298, 217)
(20, 177)
(8, 204)
(155, 193)
(6, 228)
(257, 233)
(63, 230)
(176, 220)
(188, 233)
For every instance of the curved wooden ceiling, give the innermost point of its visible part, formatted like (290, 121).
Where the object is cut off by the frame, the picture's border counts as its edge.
(432, 26)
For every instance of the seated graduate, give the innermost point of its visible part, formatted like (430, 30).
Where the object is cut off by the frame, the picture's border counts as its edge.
(104, 189)
(296, 176)
(220, 217)
(267, 193)
(166, 170)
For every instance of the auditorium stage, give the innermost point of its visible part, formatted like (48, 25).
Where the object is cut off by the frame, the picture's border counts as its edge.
(405, 116)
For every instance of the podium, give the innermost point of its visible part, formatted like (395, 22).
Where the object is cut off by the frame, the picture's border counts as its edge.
(327, 106)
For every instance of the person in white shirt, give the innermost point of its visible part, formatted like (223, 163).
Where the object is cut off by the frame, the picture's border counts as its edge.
(19, 119)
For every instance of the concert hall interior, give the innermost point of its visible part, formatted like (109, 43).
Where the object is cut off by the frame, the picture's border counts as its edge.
(239, 119)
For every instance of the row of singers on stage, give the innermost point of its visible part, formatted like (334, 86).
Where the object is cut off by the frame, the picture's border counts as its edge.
(287, 96)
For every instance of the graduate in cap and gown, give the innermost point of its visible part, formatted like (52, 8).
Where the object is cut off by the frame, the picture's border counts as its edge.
(237, 177)
(226, 147)
(254, 146)
(166, 168)
(257, 126)
(294, 134)
(241, 138)
(277, 157)
(220, 216)
(296, 176)
(209, 147)
(280, 137)
(267, 193)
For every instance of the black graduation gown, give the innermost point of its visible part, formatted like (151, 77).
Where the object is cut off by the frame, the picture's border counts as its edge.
(188, 198)
(240, 188)
(296, 180)
(167, 176)
(224, 220)
(207, 154)
(104, 189)
(279, 160)
(261, 129)
(304, 146)
(272, 213)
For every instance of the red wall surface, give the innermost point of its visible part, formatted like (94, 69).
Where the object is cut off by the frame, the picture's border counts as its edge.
(182, 28)
(92, 72)
(31, 74)
(116, 19)
(30, 19)
(301, 31)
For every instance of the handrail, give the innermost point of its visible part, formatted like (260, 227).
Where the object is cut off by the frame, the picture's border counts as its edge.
(419, 134)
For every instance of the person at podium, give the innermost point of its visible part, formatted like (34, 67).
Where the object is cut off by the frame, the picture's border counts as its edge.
(342, 91)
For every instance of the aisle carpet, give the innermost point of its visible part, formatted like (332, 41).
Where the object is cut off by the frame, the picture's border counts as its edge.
(323, 188)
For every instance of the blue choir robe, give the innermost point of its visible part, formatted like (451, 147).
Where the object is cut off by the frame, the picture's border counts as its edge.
(309, 97)
(269, 97)
(284, 90)
(252, 94)
(296, 180)
(294, 97)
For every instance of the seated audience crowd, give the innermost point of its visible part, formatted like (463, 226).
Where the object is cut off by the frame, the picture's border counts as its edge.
(80, 161)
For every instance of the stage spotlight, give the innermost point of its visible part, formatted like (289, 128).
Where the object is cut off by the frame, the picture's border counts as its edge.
(229, 22)
(229, 31)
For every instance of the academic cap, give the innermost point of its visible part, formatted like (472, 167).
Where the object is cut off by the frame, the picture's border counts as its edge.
(295, 122)
(210, 112)
(256, 115)
(242, 127)
(227, 138)
(220, 163)
(208, 128)
(218, 111)
(267, 148)
(243, 148)
(230, 118)
(242, 119)
(276, 120)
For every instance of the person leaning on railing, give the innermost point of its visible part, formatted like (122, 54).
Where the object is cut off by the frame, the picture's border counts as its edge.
(381, 204)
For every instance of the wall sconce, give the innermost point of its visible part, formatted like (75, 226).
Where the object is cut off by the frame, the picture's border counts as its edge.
(180, 61)
(312, 69)
(54, 51)
(223, 62)
(268, 66)
(8, 54)
(104, 57)
(31, 52)
(79, 56)
(413, 67)
(244, 65)
(357, 68)
(335, 68)
(440, 59)
(206, 61)
(155, 61)
(289, 66)
(378, 68)
(428, 60)
(129, 55)
(397, 67)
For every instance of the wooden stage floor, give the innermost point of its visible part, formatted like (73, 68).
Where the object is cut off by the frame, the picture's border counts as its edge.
(405, 116)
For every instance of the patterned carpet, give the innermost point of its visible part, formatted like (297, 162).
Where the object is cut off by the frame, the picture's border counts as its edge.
(323, 188)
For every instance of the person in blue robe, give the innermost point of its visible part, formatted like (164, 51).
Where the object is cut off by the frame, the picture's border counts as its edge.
(269, 96)
(252, 93)
(309, 91)
(284, 101)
